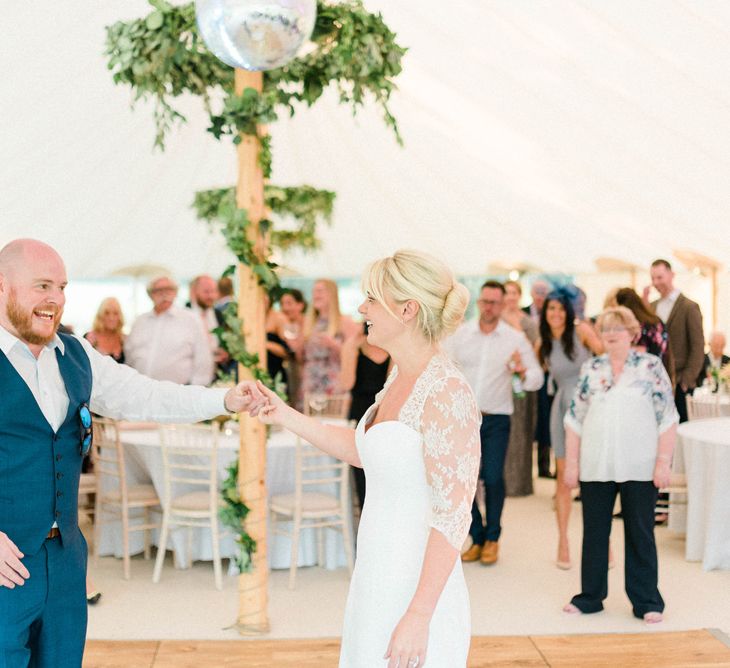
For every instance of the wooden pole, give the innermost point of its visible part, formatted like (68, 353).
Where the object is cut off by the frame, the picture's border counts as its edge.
(253, 588)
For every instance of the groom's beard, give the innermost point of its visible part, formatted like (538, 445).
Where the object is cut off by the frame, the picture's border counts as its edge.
(23, 321)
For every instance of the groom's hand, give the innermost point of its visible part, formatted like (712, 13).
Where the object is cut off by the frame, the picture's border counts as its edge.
(246, 396)
(12, 571)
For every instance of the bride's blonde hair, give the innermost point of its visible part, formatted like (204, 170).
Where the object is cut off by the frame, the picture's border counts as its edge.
(409, 274)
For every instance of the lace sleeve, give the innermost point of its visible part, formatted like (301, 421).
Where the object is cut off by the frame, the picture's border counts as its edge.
(450, 424)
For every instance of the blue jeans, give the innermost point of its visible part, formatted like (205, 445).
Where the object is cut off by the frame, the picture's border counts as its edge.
(494, 434)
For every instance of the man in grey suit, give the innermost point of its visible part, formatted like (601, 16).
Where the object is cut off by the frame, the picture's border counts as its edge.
(683, 320)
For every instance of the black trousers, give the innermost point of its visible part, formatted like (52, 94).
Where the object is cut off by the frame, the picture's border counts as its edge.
(680, 401)
(638, 499)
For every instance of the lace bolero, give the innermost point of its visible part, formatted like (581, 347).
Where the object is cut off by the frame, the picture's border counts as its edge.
(443, 409)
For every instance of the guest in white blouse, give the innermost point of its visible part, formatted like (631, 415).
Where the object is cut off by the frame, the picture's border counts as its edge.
(620, 434)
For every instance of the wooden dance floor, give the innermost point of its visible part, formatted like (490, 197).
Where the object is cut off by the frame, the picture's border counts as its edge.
(642, 650)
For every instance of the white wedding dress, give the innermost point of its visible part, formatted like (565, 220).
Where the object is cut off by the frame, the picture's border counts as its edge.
(421, 473)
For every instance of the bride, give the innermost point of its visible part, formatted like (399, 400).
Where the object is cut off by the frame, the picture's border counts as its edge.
(408, 604)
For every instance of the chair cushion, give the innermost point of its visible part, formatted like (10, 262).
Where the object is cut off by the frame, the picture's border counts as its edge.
(191, 501)
(313, 503)
(135, 493)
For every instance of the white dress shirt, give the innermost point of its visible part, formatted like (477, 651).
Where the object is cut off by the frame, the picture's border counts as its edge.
(484, 361)
(210, 322)
(665, 305)
(171, 345)
(117, 391)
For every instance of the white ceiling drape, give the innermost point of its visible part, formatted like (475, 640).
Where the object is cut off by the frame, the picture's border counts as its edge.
(548, 133)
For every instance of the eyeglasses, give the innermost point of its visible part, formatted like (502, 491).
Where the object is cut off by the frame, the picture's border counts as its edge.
(86, 436)
(156, 291)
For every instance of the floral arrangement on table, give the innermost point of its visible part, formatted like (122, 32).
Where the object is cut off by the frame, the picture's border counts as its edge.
(721, 378)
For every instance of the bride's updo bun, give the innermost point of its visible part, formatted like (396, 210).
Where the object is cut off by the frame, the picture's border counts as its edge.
(409, 274)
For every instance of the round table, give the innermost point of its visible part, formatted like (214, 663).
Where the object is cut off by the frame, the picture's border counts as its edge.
(703, 454)
(706, 402)
(143, 463)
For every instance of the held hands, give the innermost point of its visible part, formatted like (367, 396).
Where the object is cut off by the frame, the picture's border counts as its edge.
(407, 648)
(12, 571)
(257, 400)
(244, 397)
(274, 409)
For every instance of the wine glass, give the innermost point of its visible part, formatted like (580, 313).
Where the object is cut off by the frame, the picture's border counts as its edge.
(318, 402)
(291, 331)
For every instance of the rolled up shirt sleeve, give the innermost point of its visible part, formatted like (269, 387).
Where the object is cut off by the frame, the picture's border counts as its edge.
(120, 392)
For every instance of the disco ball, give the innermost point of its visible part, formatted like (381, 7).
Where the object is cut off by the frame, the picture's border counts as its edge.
(255, 34)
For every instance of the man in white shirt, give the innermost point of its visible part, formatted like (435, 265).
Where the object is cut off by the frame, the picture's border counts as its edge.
(203, 298)
(489, 353)
(169, 342)
(50, 383)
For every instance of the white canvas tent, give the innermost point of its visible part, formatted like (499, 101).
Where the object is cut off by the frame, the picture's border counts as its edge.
(543, 133)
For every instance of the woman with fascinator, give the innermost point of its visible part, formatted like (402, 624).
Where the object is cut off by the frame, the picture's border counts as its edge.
(563, 346)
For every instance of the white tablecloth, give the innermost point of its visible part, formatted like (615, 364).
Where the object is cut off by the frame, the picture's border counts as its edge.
(143, 459)
(722, 400)
(703, 454)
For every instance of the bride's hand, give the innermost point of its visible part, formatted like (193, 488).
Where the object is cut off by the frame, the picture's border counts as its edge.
(274, 408)
(407, 648)
(246, 396)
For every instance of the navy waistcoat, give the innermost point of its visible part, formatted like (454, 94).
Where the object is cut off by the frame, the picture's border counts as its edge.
(40, 468)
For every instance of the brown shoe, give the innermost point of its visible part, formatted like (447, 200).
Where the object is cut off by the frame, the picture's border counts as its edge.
(472, 554)
(490, 552)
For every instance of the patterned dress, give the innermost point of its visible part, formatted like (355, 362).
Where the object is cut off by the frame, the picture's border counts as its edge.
(321, 368)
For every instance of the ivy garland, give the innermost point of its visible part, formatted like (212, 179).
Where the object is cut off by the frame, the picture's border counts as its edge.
(305, 204)
(233, 514)
(162, 56)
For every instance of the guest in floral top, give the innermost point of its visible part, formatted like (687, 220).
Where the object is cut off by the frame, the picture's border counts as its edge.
(620, 433)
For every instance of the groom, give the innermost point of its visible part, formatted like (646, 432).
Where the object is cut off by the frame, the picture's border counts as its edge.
(49, 382)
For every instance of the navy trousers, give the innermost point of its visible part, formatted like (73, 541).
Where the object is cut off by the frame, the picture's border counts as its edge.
(680, 401)
(494, 434)
(43, 622)
(638, 499)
